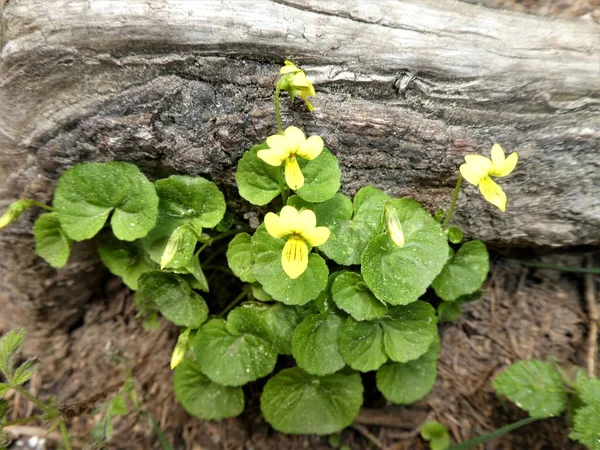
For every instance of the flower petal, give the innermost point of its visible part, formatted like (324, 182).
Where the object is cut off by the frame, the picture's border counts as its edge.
(273, 157)
(476, 168)
(509, 165)
(289, 215)
(498, 156)
(289, 67)
(278, 142)
(307, 221)
(295, 137)
(293, 174)
(493, 193)
(317, 236)
(300, 80)
(311, 148)
(294, 257)
(309, 105)
(276, 226)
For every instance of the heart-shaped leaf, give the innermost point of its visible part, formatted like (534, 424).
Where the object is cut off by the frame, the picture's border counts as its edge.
(351, 294)
(315, 344)
(51, 242)
(321, 177)
(239, 257)
(257, 181)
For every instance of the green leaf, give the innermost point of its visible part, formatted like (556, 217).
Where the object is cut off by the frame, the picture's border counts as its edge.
(239, 257)
(51, 242)
(193, 274)
(180, 247)
(267, 268)
(464, 273)
(24, 372)
(10, 344)
(321, 177)
(259, 293)
(201, 397)
(117, 406)
(400, 275)
(351, 294)
(351, 226)
(535, 386)
(297, 402)
(586, 426)
(273, 323)
(455, 234)
(315, 344)
(449, 311)
(233, 359)
(361, 345)
(436, 434)
(87, 193)
(174, 298)
(4, 388)
(14, 211)
(409, 331)
(405, 383)
(125, 259)
(588, 388)
(226, 223)
(257, 181)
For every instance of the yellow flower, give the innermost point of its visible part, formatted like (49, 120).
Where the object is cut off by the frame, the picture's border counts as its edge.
(295, 82)
(286, 147)
(302, 229)
(478, 171)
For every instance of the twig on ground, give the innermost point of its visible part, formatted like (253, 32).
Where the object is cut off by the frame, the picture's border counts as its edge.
(371, 437)
(590, 294)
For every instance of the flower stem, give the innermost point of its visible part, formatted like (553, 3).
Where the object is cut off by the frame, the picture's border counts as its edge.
(64, 433)
(277, 110)
(42, 205)
(282, 188)
(453, 202)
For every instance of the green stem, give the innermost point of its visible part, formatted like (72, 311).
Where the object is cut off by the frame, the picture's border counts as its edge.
(32, 399)
(235, 301)
(277, 110)
(595, 270)
(64, 433)
(282, 188)
(493, 435)
(454, 199)
(22, 421)
(218, 237)
(42, 205)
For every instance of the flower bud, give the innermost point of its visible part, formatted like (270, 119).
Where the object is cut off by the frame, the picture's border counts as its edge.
(173, 246)
(393, 225)
(14, 211)
(180, 348)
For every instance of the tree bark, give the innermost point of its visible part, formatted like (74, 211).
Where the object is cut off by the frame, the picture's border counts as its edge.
(405, 89)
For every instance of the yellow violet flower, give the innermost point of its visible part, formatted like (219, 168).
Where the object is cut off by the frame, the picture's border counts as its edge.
(285, 148)
(295, 82)
(302, 229)
(478, 171)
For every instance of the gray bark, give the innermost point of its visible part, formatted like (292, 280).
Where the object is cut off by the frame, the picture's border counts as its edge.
(405, 89)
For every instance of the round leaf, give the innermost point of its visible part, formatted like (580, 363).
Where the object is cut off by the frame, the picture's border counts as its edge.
(257, 181)
(464, 273)
(273, 323)
(586, 426)
(535, 386)
(125, 259)
(297, 402)
(315, 344)
(405, 383)
(51, 243)
(408, 331)
(321, 177)
(239, 257)
(87, 193)
(361, 345)
(201, 397)
(400, 275)
(351, 294)
(268, 271)
(174, 298)
(233, 359)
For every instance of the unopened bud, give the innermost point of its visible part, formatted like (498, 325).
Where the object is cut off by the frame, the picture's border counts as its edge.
(393, 225)
(14, 211)
(173, 246)
(180, 348)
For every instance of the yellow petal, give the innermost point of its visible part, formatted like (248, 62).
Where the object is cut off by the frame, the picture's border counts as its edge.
(493, 193)
(317, 236)
(300, 80)
(307, 221)
(295, 137)
(289, 215)
(278, 142)
(507, 167)
(476, 168)
(308, 104)
(498, 156)
(311, 148)
(294, 257)
(276, 226)
(293, 174)
(289, 67)
(273, 157)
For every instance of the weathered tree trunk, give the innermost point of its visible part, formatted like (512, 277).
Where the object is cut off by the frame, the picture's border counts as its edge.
(405, 90)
